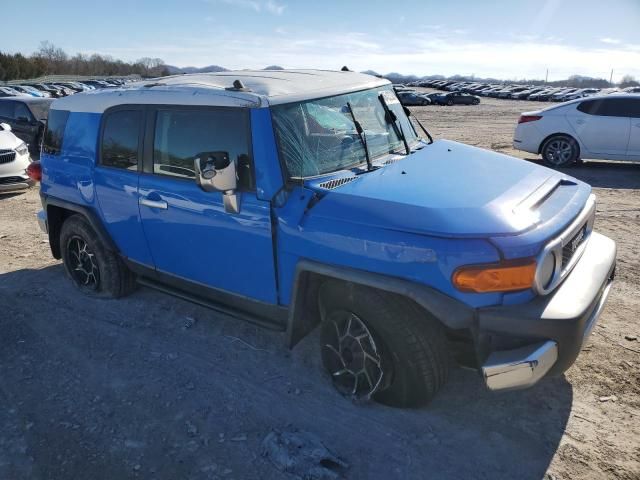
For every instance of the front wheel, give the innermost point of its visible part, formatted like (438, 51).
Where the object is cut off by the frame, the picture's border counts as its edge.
(381, 346)
(560, 151)
(476, 101)
(92, 267)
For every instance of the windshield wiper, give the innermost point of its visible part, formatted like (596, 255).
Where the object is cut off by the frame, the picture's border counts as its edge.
(362, 137)
(408, 113)
(392, 118)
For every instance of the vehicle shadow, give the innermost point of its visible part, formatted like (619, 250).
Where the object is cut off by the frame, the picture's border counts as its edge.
(603, 174)
(164, 386)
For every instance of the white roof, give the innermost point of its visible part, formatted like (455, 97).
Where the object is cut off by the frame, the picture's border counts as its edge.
(265, 87)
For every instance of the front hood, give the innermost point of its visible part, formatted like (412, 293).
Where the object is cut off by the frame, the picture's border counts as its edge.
(8, 140)
(451, 189)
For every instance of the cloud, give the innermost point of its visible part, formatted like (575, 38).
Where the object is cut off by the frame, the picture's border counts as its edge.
(421, 53)
(270, 6)
(610, 41)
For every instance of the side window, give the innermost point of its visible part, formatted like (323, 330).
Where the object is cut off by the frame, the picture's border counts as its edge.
(607, 107)
(634, 107)
(120, 139)
(6, 109)
(181, 135)
(22, 112)
(54, 135)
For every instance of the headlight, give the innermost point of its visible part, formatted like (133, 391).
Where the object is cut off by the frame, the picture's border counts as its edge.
(22, 149)
(546, 270)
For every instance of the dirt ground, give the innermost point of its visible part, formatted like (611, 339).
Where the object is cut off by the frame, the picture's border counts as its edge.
(153, 387)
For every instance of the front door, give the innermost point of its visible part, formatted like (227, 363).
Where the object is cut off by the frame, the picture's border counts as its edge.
(190, 235)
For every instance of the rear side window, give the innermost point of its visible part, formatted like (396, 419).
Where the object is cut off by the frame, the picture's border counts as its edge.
(54, 135)
(6, 109)
(181, 135)
(607, 107)
(121, 139)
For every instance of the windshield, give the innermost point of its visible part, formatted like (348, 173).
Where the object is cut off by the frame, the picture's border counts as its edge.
(40, 108)
(319, 136)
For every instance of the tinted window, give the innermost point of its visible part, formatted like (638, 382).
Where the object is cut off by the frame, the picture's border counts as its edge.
(181, 135)
(609, 107)
(22, 112)
(634, 107)
(54, 134)
(40, 108)
(6, 109)
(120, 139)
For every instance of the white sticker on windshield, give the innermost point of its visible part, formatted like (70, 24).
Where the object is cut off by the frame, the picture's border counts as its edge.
(389, 97)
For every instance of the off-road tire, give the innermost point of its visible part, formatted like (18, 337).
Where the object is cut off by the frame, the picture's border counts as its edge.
(114, 279)
(413, 343)
(560, 143)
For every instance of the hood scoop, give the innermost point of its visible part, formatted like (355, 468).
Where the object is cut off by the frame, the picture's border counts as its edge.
(336, 182)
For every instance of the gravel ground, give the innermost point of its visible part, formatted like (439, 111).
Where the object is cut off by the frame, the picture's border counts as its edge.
(154, 387)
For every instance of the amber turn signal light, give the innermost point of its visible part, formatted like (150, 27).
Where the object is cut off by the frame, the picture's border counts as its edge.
(500, 277)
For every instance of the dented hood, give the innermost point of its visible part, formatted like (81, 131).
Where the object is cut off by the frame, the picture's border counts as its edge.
(452, 189)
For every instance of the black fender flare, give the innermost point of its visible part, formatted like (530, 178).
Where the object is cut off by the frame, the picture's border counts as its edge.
(54, 222)
(303, 312)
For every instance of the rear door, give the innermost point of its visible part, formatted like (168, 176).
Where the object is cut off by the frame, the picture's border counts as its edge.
(633, 151)
(190, 235)
(602, 126)
(116, 180)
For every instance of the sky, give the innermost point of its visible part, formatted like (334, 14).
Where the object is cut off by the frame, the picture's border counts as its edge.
(508, 39)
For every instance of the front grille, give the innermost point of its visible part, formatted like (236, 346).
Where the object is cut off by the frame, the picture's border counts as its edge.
(7, 156)
(9, 180)
(572, 245)
(336, 182)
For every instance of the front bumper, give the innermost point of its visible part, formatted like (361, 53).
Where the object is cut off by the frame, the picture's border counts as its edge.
(556, 325)
(16, 186)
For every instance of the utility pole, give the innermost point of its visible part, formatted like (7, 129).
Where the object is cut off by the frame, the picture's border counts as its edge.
(546, 78)
(611, 77)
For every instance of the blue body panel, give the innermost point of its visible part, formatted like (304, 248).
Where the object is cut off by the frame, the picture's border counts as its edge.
(195, 239)
(417, 219)
(268, 172)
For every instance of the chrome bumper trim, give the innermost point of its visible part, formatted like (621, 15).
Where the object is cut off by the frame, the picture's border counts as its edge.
(519, 368)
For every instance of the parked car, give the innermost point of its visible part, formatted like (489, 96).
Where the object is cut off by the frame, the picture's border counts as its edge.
(546, 95)
(598, 127)
(413, 98)
(27, 90)
(14, 161)
(580, 93)
(53, 92)
(10, 92)
(27, 117)
(354, 223)
(631, 90)
(524, 94)
(456, 98)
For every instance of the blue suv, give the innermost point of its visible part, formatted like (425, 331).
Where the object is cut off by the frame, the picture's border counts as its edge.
(306, 198)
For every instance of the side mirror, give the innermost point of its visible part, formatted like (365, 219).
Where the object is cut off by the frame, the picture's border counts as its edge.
(22, 120)
(215, 172)
(5, 126)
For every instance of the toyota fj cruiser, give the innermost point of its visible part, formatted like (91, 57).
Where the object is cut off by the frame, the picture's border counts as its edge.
(303, 198)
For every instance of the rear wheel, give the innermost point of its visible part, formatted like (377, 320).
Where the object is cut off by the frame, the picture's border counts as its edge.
(449, 102)
(560, 151)
(94, 269)
(381, 346)
(476, 101)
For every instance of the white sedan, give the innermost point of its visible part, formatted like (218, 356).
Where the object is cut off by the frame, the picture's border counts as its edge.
(598, 127)
(14, 161)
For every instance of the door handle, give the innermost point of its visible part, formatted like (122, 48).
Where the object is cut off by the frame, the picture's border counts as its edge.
(161, 204)
(579, 122)
(637, 124)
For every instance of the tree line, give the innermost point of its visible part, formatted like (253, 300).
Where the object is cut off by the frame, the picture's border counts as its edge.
(51, 60)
